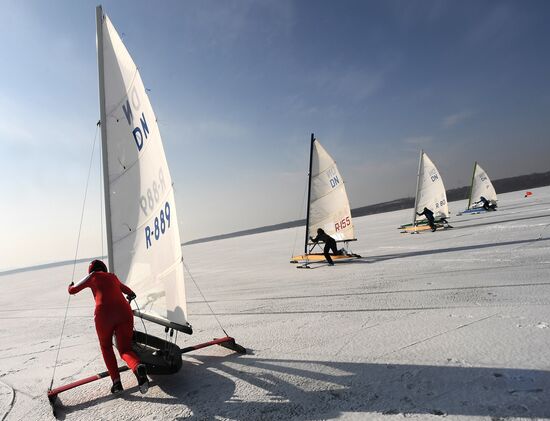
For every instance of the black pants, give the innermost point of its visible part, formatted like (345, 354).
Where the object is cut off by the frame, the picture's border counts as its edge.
(326, 250)
(431, 223)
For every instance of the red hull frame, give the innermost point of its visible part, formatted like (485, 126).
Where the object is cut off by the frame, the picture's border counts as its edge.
(227, 342)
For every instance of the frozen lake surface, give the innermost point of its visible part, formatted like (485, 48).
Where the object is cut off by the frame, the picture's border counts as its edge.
(453, 324)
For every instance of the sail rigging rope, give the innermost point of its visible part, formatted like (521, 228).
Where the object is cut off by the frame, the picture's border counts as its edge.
(145, 344)
(297, 229)
(203, 297)
(75, 254)
(101, 196)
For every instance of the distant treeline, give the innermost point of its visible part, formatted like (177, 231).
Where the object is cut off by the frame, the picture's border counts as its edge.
(50, 265)
(504, 185)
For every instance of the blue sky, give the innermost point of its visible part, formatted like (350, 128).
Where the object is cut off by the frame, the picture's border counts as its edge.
(238, 86)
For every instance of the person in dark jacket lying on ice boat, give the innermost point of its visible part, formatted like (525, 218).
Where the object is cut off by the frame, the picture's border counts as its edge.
(330, 244)
(113, 316)
(431, 220)
(486, 204)
(429, 216)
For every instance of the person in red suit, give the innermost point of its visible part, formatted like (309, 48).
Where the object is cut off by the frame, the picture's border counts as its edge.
(113, 316)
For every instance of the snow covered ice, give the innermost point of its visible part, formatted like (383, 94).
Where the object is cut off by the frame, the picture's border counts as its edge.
(452, 324)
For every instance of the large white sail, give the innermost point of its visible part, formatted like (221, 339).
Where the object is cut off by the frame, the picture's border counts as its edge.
(329, 205)
(431, 191)
(481, 186)
(145, 246)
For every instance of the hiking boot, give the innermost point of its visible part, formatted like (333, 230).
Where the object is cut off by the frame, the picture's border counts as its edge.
(141, 376)
(116, 388)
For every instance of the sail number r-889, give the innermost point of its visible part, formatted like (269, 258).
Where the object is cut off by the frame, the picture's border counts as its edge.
(160, 225)
(148, 201)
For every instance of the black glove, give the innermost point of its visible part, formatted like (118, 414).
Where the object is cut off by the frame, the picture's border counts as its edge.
(131, 297)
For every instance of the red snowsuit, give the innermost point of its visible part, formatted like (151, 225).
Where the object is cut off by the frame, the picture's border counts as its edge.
(113, 315)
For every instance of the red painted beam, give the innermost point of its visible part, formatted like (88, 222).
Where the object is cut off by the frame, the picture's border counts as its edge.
(52, 393)
(205, 344)
(227, 342)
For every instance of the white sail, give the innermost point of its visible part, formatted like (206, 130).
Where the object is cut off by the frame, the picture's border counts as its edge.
(329, 205)
(145, 250)
(481, 186)
(431, 191)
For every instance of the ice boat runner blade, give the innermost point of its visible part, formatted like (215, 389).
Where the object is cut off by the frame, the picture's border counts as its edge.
(227, 342)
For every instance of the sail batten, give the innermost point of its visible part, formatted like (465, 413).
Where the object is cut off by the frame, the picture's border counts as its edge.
(325, 195)
(142, 213)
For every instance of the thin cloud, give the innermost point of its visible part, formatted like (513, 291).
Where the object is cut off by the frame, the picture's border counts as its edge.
(226, 23)
(411, 14)
(14, 133)
(15, 129)
(353, 82)
(497, 23)
(456, 118)
(358, 84)
(213, 130)
(418, 140)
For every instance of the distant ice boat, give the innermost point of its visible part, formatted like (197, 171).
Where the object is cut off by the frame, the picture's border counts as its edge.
(430, 193)
(327, 206)
(143, 238)
(481, 186)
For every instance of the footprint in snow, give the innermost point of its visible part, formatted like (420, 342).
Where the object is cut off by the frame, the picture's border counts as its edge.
(542, 325)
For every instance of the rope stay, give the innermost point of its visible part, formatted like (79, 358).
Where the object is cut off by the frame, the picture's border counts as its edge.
(75, 255)
(297, 229)
(203, 297)
(101, 187)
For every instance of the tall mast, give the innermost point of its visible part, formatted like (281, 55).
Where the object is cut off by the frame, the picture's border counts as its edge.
(472, 186)
(417, 184)
(103, 125)
(309, 191)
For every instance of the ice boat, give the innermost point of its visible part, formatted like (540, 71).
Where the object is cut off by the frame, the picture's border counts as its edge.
(327, 207)
(430, 193)
(143, 240)
(481, 186)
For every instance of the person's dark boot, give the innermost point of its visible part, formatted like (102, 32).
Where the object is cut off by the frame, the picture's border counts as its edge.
(116, 388)
(141, 376)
